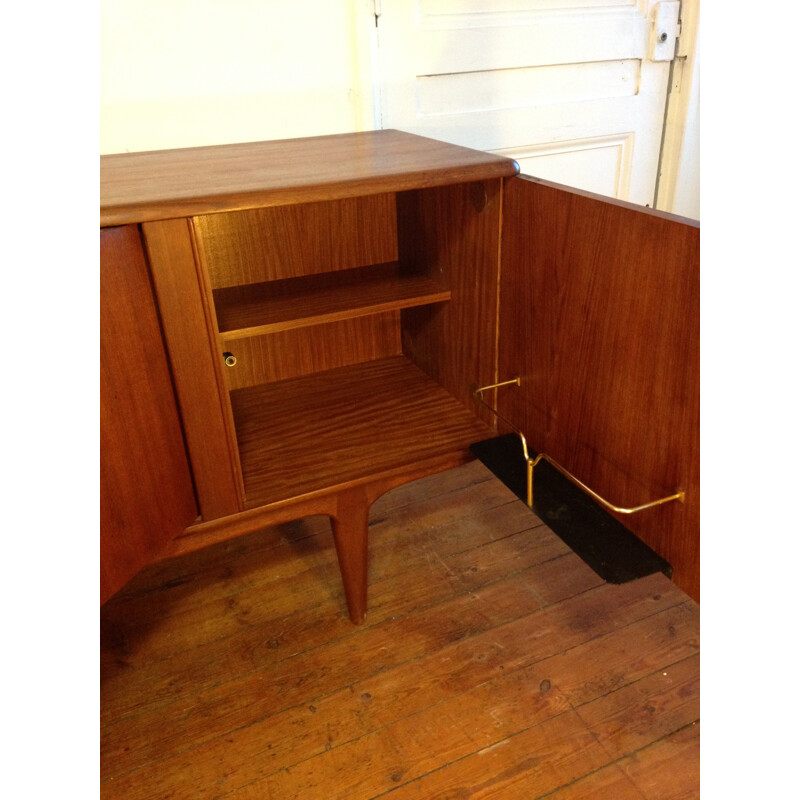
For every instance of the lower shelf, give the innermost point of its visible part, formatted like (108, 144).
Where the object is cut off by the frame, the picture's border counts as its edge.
(344, 425)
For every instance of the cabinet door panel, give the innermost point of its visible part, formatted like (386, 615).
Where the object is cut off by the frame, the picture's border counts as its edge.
(599, 316)
(146, 492)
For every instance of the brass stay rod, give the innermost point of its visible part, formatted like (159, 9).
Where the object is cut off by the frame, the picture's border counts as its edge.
(532, 462)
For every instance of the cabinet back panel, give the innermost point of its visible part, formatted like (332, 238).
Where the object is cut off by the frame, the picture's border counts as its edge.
(267, 244)
(302, 351)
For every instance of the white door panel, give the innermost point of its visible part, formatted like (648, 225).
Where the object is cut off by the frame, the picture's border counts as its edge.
(566, 87)
(464, 47)
(462, 93)
(601, 165)
(442, 7)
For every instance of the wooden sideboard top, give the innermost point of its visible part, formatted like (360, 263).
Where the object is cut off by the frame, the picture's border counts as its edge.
(162, 184)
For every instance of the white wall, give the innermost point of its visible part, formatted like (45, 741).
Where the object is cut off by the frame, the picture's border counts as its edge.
(180, 73)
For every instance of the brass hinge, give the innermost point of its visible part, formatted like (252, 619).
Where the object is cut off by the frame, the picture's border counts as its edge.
(664, 30)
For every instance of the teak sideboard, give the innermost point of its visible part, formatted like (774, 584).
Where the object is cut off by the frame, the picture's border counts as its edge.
(292, 328)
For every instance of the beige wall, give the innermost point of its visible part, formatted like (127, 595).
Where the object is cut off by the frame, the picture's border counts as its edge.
(180, 73)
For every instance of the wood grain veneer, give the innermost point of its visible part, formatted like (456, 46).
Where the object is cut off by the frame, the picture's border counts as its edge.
(318, 502)
(599, 310)
(267, 244)
(343, 426)
(301, 351)
(244, 311)
(355, 278)
(207, 419)
(455, 232)
(138, 187)
(146, 492)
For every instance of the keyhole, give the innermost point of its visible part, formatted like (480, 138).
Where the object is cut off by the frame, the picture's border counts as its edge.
(662, 37)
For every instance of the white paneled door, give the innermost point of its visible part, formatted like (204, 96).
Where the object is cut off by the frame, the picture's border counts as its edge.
(574, 90)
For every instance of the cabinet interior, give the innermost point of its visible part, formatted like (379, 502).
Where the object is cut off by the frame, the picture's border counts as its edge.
(356, 281)
(359, 327)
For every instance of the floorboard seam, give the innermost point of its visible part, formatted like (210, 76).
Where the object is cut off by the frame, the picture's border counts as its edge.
(359, 630)
(571, 709)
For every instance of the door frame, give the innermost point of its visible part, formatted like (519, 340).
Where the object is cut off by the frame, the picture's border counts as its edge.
(677, 185)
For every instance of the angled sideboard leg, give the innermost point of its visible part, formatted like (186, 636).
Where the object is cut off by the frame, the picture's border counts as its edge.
(350, 526)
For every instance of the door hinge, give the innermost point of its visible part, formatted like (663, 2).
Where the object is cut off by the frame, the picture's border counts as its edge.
(664, 30)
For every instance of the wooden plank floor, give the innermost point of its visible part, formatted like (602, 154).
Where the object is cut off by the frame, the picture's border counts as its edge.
(493, 663)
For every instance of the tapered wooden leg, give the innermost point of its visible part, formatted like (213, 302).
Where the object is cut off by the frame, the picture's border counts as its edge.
(350, 525)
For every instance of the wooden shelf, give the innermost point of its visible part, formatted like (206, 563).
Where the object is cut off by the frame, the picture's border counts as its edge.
(343, 426)
(256, 309)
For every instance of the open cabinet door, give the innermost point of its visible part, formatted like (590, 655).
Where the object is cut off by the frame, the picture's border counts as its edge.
(599, 318)
(146, 491)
